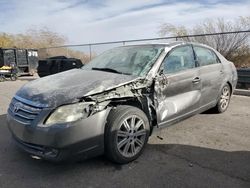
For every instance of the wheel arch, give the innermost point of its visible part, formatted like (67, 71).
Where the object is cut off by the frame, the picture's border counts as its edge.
(231, 87)
(143, 103)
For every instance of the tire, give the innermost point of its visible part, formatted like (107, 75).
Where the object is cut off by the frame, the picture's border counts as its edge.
(126, 134)
(13, 77)
(224, 99)
(2, 78)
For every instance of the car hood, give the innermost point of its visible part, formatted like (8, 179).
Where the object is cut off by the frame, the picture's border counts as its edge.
(69, 86)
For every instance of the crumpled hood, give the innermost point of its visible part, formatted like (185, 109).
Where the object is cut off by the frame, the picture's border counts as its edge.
(68, 86)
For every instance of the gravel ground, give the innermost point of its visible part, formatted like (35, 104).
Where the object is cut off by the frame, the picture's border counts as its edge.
(207, 150)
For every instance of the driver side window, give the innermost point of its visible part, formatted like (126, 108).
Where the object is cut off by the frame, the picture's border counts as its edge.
(179, 59)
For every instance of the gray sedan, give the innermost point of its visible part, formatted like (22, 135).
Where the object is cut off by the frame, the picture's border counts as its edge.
(113, 104)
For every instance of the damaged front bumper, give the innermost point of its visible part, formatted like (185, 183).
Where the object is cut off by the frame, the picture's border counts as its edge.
(83, 138)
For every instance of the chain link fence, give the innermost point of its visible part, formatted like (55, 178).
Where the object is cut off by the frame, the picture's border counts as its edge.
(225, 42)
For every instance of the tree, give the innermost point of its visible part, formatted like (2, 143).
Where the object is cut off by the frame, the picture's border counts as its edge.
(39, 38)
(33, 38)
(6, 41)
(232, 46)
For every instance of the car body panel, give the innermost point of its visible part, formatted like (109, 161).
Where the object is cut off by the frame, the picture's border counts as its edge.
(178, 96)
(210, 79)
(80, 137)
(70, 85)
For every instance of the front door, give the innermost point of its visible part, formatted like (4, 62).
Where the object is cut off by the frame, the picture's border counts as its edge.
(178, 86)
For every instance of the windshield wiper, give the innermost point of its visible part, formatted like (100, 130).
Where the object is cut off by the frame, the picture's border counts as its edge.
(109, 70)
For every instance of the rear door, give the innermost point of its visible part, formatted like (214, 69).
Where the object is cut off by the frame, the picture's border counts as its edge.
(178, 88)
(211, 74)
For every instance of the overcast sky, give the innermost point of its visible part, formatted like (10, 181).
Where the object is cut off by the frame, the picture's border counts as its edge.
(86, 21)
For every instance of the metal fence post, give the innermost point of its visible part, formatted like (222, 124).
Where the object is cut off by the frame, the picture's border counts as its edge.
(90, 52)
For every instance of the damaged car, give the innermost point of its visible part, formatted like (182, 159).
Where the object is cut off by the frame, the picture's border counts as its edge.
(114, 103)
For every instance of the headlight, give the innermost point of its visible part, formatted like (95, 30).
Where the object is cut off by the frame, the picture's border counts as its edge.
(69, 113)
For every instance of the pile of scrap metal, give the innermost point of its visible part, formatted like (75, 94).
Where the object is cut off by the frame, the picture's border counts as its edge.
(57, 64)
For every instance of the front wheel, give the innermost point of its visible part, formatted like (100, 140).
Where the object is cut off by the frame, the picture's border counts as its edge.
(224, 99)
(126, 134)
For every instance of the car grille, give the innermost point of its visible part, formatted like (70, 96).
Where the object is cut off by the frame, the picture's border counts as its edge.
(23, 112)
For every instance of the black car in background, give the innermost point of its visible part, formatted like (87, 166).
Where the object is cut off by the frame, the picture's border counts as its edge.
(57, 64)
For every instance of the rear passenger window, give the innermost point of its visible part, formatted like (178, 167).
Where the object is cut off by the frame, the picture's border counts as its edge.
(181, 58)
(205, 56)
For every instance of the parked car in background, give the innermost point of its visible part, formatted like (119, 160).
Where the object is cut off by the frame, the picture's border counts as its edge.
(113, 104)
(57, 64)
(243, 78)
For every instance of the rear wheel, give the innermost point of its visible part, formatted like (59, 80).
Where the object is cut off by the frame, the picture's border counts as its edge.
(126, 134)
(224, 99)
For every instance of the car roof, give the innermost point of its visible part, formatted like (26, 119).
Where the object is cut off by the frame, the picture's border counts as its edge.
(170, 44)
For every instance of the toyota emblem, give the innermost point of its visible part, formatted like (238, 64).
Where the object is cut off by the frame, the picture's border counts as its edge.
(16, 107)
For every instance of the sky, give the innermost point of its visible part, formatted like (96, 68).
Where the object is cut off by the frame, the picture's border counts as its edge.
(89, 21)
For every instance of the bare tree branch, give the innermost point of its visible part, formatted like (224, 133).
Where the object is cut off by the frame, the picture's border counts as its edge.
(229, 45)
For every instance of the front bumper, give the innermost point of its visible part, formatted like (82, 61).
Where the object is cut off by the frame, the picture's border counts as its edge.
(84, 138)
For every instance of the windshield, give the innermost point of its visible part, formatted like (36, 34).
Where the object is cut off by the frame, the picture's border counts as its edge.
(131, 60)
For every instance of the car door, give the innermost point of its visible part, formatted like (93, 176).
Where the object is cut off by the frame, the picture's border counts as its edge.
(178, 86)
(211, 74)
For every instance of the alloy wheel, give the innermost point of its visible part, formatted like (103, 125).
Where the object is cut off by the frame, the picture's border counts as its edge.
(131, 136)
(225, 97)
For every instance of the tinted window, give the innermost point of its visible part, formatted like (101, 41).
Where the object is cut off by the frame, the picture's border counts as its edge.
(181, 58)
(205, 56)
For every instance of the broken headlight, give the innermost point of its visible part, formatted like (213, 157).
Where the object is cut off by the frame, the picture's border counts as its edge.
(69, 113)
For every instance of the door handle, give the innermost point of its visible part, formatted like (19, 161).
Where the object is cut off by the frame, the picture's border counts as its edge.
(196, 80)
